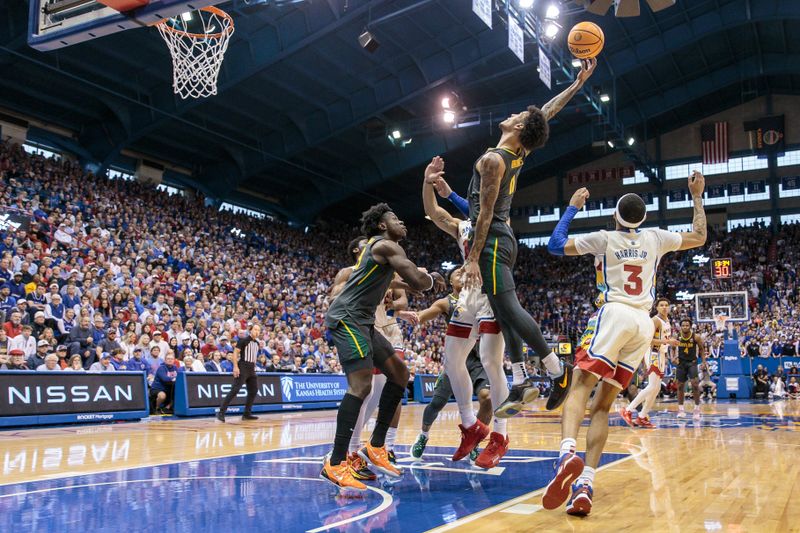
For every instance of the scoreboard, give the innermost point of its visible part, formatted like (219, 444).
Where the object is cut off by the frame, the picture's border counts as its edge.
(721, 268)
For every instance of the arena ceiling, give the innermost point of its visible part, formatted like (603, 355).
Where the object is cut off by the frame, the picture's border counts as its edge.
(303, 111)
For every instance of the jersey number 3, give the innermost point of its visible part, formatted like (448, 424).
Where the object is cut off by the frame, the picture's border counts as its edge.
(635, 284)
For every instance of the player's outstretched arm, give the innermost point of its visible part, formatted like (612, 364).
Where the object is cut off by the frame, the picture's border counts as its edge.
(559, 243)
(443, 220)
(697, 237)
(491, 168)
(444, 190)
(551, 108)
(389, 252)
(439, 308)
(701, 347)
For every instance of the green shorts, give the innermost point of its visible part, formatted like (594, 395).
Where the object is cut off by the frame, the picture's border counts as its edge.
(359, 346)
(497, 263)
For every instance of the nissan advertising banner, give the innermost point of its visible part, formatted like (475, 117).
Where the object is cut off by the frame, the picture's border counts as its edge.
(202, 393)
(28, 397)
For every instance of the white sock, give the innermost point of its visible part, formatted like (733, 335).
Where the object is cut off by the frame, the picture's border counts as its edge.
(518, 373)
(500, 426)
(391, 435)
(456, 350)
(424, 434)
(586, 477)
(567, 446)
(553, 365)
(491, 348)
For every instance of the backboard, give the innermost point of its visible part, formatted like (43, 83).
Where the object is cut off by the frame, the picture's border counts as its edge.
(733, 305)
(54, 24)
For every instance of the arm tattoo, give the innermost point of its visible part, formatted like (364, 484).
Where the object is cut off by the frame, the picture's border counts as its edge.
(551, 108)
(699, 221)
(490, 187)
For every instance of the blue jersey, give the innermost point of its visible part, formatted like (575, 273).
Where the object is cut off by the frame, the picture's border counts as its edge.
(165, 377)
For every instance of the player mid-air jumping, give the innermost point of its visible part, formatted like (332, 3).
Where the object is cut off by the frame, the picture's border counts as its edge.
(350, 320)
(628, 259)
(493, 252)
(472, 318)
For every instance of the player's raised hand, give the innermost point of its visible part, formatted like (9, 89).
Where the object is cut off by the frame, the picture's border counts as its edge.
(442, 188)
(434, 170)
(472, 274)
(579, 198)
(697, 183)
(439, 284)
(409, 316)
(587, 69)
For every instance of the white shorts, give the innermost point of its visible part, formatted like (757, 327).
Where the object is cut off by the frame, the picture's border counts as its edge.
(392, 333)
(620, 341)
(473, 315)
(658, 363)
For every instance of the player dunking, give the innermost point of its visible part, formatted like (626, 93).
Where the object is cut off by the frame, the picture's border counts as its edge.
(448, 307)
(658, 361)
(472, 318)
(490, 262)
(690, 344)
(628, 259)
(350, 320)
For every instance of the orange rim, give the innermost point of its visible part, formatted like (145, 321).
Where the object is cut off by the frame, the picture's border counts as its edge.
(211, 9)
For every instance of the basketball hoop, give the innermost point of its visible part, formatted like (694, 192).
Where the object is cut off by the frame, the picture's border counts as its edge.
(197, 42)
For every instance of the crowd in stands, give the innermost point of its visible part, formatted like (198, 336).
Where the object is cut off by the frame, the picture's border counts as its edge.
(117, 275)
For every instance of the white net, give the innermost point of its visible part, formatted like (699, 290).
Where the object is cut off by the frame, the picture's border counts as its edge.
(197, 42)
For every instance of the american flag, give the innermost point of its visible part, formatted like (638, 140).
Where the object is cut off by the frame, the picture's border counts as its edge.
(715, 143)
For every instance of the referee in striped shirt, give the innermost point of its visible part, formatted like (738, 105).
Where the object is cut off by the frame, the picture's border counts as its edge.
(244, 371)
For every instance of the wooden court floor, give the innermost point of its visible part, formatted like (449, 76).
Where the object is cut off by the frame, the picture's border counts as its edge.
(734, 471)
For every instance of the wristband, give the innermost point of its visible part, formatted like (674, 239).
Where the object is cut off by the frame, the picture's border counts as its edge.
(431, 285)
(559, 237)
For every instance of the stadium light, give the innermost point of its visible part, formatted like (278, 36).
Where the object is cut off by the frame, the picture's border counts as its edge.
(449, 117)
(446, 102)
(396, 135)
(610, 143)
(605, 98)
(551, 30)
(525, 4)
(552, 12)
(631, 141)
(186, 17)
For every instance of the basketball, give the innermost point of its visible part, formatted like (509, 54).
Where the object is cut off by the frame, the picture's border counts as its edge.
(585, 40)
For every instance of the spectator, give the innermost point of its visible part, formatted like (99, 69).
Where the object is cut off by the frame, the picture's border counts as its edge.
(262, 363)
(61, 352)
(109, 343)
(38, 326)
(777, 388)
(75, 364)
(13, 327)
(81, 341)
(17, 360)
(50, 364)
(137, 363)
(3, 342)
(162, 389)
(4, 359)
(25, 342)
(103, 364)
(118, 359)
(37, 359)
(227, 363)
(215, 363)
(761, 381)
(154, 359)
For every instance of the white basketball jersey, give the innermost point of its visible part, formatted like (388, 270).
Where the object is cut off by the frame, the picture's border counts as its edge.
(627, 262)
(665, 333)
(463, 237)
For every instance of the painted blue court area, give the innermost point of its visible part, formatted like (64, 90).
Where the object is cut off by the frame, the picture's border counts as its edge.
(271, 491)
